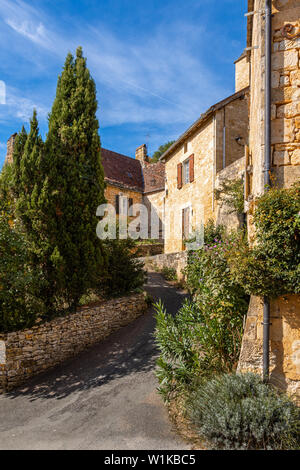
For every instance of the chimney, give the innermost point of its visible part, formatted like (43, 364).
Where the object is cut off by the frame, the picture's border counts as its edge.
(10, 149)
(242, 72)
(141, 154)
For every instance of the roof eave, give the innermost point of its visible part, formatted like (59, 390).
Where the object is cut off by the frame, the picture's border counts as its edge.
(203, 118)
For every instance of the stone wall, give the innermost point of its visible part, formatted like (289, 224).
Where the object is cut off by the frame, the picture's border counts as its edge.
(10, 149)
(285, 312)
(150, 249)
(197, 195)
(233, 172)
(216, 144)
(112, 191)
(284, 342)
(242, 72)
(234, 117)
(28, 352)
(177, 261)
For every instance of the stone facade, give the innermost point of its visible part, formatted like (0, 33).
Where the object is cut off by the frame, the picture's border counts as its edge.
(26, 353)
(215, 141)
(10, 149)
(284, 342)
(242, 72)
(235, 171)
(285, 312)
(113, 190)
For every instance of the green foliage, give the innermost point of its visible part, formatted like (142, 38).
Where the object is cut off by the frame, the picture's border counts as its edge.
(205, 336)
(19, 281)
(59, 185)
(213, 233)
(124, 273)
(241, 412)
(169, 273)
(7, 206)
(272, 266)
(161, 150)
(231, 193)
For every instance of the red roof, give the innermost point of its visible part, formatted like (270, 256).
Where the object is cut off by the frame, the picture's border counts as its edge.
(122, 170)
(128, 172)
(154, 177)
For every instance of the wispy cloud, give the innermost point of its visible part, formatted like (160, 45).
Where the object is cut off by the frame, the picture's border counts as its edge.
(19, 107)
(157, 79)
(35, 33)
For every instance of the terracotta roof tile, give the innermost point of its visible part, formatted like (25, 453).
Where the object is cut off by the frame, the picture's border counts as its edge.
(154, 176)
(121, 169)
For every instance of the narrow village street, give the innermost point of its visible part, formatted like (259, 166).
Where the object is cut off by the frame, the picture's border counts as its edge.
(105, 398)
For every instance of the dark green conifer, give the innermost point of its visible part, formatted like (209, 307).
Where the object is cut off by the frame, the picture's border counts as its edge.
(73, 187)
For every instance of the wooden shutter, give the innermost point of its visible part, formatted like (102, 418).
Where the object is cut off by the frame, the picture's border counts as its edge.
(179, 176)
(192, 175)
(117, 204)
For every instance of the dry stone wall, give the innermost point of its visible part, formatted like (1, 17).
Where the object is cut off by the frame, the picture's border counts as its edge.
(177, 261)
(26, 353)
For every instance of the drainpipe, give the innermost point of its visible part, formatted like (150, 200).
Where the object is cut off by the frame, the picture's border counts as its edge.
(267, 168)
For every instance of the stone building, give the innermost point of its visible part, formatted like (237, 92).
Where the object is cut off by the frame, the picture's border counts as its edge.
(212, 149)
(124, 180)
(128, 181)
(10, 149)
(135, 181)
(285, 142)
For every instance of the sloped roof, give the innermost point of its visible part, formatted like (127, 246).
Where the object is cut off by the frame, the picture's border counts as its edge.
(202, 119)
(154, 177)
(123, 170)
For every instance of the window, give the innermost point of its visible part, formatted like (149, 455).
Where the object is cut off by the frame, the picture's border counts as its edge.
(186, 171)
(185, 147)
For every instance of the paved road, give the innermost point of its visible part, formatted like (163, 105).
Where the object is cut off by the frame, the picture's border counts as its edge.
(105, 398)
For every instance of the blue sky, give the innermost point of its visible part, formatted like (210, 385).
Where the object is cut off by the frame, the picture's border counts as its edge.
(157, 64)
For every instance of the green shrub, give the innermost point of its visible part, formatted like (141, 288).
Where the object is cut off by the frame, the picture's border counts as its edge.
(20, 282)
(272, 266)
(241, 412)
(124, 273)
(169, 273)
(205, 335)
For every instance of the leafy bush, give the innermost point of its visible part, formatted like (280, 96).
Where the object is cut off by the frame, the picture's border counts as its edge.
(241, 412)
(211, 233)
(19, 281)
(169, 273)
(124, 273)
(205, 335)
(272, 266)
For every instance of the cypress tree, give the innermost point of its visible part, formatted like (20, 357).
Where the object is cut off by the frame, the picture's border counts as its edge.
(19, 146)
(73, 185)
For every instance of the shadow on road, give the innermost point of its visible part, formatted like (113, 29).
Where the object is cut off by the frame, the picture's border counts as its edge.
(129, 350)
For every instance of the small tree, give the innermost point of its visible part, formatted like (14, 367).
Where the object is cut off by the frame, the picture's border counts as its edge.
(161, 150)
